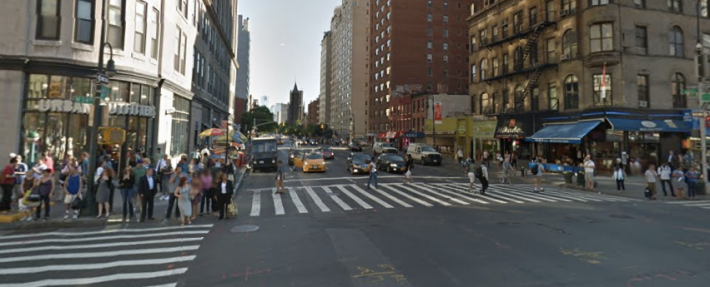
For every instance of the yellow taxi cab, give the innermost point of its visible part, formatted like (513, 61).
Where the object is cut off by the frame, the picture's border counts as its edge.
(312, 162)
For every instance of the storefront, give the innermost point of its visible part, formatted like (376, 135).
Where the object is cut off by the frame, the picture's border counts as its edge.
(451, 134)
(56, 122)
(411, 137)
(511, 131)
(483, 136)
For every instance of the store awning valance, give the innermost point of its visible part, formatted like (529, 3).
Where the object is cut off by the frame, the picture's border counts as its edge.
(564, 133)
(635, 125)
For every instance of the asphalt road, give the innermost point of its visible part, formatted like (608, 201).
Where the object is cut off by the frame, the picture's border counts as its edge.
(329, 230)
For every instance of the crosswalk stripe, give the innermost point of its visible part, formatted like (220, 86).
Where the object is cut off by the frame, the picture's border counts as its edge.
(100, 279)
(575, 197)
(297, 201)
(431, 198)
(113, 237)
(443, 189)
(99, 254)
(412, 198)
(436, 193)
(392, 198)
(372, 197)
(278, 204)
(256, 203)
(354, 197)
(105, 231)
(164, 285)
(337, 199)
(503, 191)
(317, 199)
(94, 266)
(573, 194)
(100, 245)
(455, 189)
(540, 196)
(497, 197)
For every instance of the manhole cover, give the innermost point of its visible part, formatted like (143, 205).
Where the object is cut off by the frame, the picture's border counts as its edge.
(245, 228)
(623, 216)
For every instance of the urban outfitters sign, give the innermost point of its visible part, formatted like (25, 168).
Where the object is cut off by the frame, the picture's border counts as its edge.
(114, 108)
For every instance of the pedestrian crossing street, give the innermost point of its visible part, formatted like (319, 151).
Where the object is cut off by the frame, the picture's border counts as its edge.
(347, 197)
(154, 257)
(704, 204)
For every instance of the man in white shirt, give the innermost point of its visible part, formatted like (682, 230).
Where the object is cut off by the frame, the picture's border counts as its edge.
(664, 172)
(589, 167)
(373, 173)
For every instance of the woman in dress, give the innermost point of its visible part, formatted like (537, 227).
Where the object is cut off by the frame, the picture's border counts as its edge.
(182, 193)
(126, 184)
(45, 186)
(103, 191)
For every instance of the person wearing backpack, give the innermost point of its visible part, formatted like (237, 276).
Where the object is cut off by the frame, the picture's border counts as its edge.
(537, 170)
(482, 175)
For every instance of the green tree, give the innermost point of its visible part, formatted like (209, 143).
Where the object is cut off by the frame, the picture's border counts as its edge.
(262, 116)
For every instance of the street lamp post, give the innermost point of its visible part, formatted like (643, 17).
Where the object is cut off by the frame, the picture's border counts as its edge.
(699, 74)
(90, 198)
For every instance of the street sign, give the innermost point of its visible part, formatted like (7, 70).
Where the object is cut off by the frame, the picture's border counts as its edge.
(102, 78)
(105, 91)
(83, 100)
(692, 93)
(705, 98)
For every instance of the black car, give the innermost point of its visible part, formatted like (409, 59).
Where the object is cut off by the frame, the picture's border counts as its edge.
(354, 147)
(358, 163)
(391, 163)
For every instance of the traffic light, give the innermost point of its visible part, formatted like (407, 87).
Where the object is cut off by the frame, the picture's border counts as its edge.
(322, 126)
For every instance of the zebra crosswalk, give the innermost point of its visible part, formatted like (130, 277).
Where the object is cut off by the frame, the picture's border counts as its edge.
(704, 204)
(347, 197)
(134, 257)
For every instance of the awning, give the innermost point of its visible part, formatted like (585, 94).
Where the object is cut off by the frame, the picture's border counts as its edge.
(382, 135)
(635, 125)
(564, 133)
(391, 135)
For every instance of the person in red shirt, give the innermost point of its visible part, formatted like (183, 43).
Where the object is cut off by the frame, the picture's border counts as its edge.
(7, 183)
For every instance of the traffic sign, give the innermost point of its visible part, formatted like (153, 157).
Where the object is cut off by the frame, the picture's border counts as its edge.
(705, 98)
(83, 100)
(102, 78)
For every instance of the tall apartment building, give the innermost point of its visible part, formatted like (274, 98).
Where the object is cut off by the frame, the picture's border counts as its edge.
(48, 68)
(349, 28)
(295, 106)
(601, 76)
(415, 45)
(214, 68)
(313, 112)
(243, 52)
(326, 73)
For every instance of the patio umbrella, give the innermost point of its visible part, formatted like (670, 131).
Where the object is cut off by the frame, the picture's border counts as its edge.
(212, 133)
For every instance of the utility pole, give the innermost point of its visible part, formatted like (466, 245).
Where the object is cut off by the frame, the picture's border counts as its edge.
(433, 121)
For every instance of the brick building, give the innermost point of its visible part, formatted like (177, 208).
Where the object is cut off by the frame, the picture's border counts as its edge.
(314, 112)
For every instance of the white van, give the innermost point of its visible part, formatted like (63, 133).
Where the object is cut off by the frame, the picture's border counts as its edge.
(424, 154)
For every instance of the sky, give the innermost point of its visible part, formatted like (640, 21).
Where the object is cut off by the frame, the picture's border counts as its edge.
(285, 46)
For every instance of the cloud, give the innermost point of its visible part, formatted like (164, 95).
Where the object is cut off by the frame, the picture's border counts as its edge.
(282, 44)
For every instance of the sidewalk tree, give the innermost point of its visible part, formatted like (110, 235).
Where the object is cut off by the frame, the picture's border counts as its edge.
(262, 115)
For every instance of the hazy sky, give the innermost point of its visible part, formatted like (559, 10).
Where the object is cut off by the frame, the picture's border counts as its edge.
(285, 45)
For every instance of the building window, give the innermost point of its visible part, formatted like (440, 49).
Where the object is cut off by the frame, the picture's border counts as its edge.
(550, 10)
(473, 73)
(675, 41)
(446, 19)
(446, 59)
(600, 82)
(533, 55)
(505, 28)
(532, 16)
(571, 92)
(553, 100)
(642, 89)
(430, 3)
(141, 24)
(429, 18)
(429, 32)
(445, 34)
(116, 23)
(482, 37)
(183, 7)
(518, 63)
(180, 126)
(675, 6)
(677, 87)
(519, 98)
(430, 45)
(569, 44)
(484, 69)
(155, 20)
(84, 22)
(494, 71)
(601, 37)
(569, 5)
(429, 73)
(486, 104)
(429, 58)
(704, 8)
(550, 46)
(446, 5)
(640, 3)
(446, 46)
(518, 22)
(49, 19)
(598, 2)
(642, 39)
(535, 101)
(506, 64)
(494, 31)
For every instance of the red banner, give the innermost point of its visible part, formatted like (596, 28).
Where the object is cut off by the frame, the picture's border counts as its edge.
(437, 113)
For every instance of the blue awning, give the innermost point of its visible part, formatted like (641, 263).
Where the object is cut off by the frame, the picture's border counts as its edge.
(635, 125)
(564, 133)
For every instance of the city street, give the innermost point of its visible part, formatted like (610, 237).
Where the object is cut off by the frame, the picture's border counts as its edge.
(330, 230)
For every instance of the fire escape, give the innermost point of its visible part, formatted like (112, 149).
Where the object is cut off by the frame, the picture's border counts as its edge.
(526, 60)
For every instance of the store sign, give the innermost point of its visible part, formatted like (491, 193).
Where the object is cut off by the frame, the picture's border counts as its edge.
(437, 113)
(511, 129)
(68, 106)
(462, 130)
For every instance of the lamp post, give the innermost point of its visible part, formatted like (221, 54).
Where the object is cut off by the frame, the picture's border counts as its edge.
(101, 80)
(32, 138)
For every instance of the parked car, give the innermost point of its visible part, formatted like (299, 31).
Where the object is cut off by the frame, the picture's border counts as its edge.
(383, 147)
(328, 153)
(424, 154)
(357, 163)
(354, 147)
(390, 163)
(312, 162)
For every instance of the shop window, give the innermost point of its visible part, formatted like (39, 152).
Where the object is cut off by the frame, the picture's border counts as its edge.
(675, 42)
(677, 87)
(38, 86)
(180, 126)
(58, 87)
(600, 81)
(48, 19)
(571, 92)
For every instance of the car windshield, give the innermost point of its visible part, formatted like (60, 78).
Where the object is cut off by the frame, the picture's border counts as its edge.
(395, 158)
(327, 149)
(361, 157)
(314, 156)
(428, 149)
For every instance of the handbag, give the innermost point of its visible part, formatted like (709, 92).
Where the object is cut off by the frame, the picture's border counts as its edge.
(76, 203)
(232, 209)
(230, 177)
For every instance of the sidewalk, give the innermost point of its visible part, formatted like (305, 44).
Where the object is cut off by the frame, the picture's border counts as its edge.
(56, 214)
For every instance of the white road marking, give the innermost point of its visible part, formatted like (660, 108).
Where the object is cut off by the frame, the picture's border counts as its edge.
(506, 193)
(365, 178)
(354, 197)
(256, 203)
(392, 198)
(113, 237)
(442, 189)
(164, 285)
(370, 196)
(94, 266)
(100, 279)
(297, 201)
(426, 196)
(412, 198)
(337, 199)
(278, 204)
(99, 245)
(99, 254)
(541, 195)
(430, 191)
(492, 197)
(105, 231)
(317, 200)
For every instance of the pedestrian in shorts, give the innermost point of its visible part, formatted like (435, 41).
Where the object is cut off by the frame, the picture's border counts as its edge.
(538, 177)
(280, 188)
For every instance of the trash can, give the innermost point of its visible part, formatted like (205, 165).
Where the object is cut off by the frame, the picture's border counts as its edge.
(580, 178)
(700, 187)
(568, 176)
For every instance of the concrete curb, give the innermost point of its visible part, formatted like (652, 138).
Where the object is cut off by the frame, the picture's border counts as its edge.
(241, 180)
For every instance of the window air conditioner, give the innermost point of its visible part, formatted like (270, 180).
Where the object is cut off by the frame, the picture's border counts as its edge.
(643, 104)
